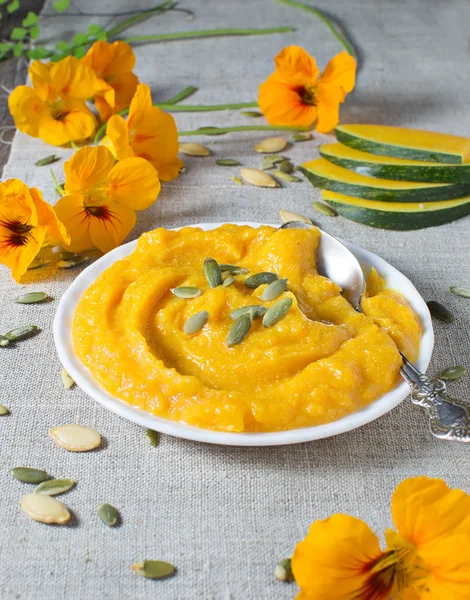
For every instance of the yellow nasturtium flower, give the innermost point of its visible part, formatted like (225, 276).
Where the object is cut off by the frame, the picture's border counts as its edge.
(113, 64)
(54, 109)
(148, 132)
(98, 208)
(427, 558)
(27, 223)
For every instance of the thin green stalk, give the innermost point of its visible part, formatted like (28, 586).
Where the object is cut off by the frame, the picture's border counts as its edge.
(166, 37)
(338, 35)
(222, 130)
(142, 16)
(60, 190)
(205, 108)
(188, 91)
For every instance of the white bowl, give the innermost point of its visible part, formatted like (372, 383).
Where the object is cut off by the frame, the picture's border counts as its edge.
(63, 340)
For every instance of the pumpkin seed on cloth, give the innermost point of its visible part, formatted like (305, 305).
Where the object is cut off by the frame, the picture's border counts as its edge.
(271, 145)
(186, 292)
(239, 330)
(31, 298)
(66, 379)
(287, 216)
(45, 509)
(75, 438)
(153, 437)
(47, 160)
(4, 341)
(236, 180)
(255, 311)
(325, 209)
(38, 263)
(302, 137)
(258, 279)
(440, 312)
(227, 162)
(74, 261)
(274, 289)
(196, 322)
(283, 571)
(286, 166)
(27, 475)
(193, 149)
(54, 487)
(4, 411)
(258, 178)
(277, 312)
(287, 177)
(460, 291)
(154, 569)
(108, 514)
(21, 333)
(453, 373)
(212, 272)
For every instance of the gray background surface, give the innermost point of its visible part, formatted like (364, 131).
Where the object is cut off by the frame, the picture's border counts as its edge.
(225, 516)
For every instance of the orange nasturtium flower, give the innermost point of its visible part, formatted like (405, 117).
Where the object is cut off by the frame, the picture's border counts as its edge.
(54, 109)
(428, 557)
(98, 208)
(113, 63)
(27, 223)
(148, 132)
(297, 94)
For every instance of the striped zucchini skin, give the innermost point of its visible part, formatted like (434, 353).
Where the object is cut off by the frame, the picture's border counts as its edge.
(425, 172)
(395, 220)
(424, 194)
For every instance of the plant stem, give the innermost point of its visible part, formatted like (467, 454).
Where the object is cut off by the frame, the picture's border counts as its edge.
(205, 108)
(338, 35)
(166, 37)
(188, 91)
(60, 190)
(222, 130)
(142, 16)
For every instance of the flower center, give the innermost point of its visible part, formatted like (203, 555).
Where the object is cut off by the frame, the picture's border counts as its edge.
(18, 233)
(307, 95)
(100, 212)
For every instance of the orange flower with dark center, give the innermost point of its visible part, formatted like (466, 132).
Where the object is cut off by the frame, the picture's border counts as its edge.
(297, 94)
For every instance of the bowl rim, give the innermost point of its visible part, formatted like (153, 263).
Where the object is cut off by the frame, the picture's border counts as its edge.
(62, 331)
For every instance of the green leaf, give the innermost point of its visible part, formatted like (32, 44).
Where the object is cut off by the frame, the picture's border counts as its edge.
(4, 49)
(17, 49)
(57, 57)
(38, 52)
(3, 2)
(13, 6)
(18, 34)
(61, 5)
(34, 32)
(79, 38)
(30, 19)
(80, 51)
(62, 46)
(95, 29)
(102, 36)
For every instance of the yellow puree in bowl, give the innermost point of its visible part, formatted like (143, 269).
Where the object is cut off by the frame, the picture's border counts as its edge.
(320, 362)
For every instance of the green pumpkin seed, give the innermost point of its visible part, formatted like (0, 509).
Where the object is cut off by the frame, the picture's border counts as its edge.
(37, 263)
(325, 209)
(186, 292)
(286, 166)
(154, 569)
(227, 162)
(236, 180)
(212, 272)
(251, 113)
(27, 475)
(4, 411)
(233, 269)
(440, 312)
(259, 279)
(54, 487)
(73, 261)
(283, 571)
(66, 379)
(277, 312)
(196, 322)
(452, 373)
(4, 341)
(239, 330)
(266, 165)
(274, 289)
(287, 177)
(153, 437)
(255, 311)
(31, 298)
(227, 282)
(302, 137)
(47, 160)
(66, 255)
(458, 291)
(108, 514)
(287, 216)
(21, 333)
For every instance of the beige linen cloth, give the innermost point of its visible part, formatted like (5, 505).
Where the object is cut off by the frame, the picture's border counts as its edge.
(225, 516)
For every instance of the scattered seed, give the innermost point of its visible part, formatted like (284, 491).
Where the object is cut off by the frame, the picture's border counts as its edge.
(73, 261)
(4, 411)
(153, 437)
(45, 509)
(37, 263)
(251, 113)
(258, 279)
(27, 475)
(196, 322)
(66, 255)
(31, 298)
(154, 569)
(228, 282)
(440, 312)
(258, 178)
(186, 292)
(227, 162)
(192, 149)
(266, 165)
(54, 487)
(283, 571)
(287, 217)
(302, 137)
(21, 333)
(254, 310)
(325, 209)
(277, 312)
(233, 269)
(75, 438)
(452, 373)
(47, 160)
(287, 177)
(4, 341)
(239, 330)
(212, 272)
(66, 379)
(108, 514)
(269, 145)
(274, 289)
(286, 166)
(236, 180)
(458, 291)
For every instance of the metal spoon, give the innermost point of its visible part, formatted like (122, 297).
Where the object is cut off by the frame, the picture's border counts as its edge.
(449, 418)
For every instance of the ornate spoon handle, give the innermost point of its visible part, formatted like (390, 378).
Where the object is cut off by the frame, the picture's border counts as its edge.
(449, 418)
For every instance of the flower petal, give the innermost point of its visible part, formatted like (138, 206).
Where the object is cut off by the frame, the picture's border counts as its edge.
(40, 75)
(340, 72)
(125, 86)
(117, 138)
(48, 218)
(282, 105)
(112, 227)
(88, 168)
(133, 182)
(328, 101)
(27, 109)
(449, 559)
(71, 212)
(110, 59)
(293, 61)
(76, 123)
(140, 105)
(72, 78)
